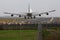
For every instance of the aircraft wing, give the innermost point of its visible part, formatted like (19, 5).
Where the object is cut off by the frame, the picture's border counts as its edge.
(36, 13)
(16, 13)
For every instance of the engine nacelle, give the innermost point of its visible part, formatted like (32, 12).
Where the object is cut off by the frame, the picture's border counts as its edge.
(19, 15)
(12, 15)
(39, 14)
(47, 13)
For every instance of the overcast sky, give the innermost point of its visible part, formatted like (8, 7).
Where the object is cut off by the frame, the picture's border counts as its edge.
(17, 6)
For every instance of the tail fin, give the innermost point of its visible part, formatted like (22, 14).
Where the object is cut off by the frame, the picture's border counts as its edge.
(29, 7)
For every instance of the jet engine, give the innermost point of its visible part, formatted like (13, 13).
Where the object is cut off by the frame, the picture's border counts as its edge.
(12, 15)
(39, 14)
(47, 13)
(19, 15)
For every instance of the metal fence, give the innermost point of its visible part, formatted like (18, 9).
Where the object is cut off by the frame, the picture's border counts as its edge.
(25, 26)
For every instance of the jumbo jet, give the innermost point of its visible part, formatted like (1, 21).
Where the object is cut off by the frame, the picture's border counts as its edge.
(29, 14)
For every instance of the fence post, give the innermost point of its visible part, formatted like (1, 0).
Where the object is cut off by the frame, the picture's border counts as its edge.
(39, 31)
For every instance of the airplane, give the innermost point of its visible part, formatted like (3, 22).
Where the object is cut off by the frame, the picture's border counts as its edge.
(30, 14)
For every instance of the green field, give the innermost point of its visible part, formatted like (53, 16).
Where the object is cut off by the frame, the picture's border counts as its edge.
(48, 34)
(18, 34)
(9, 35)
(28, 35)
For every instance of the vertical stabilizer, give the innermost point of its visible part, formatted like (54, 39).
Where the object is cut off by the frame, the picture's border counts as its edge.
(29, 7)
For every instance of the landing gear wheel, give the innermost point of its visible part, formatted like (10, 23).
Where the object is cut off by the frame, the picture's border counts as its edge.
(28, 17)
(34, 17)
(31, 17)
(25, 17)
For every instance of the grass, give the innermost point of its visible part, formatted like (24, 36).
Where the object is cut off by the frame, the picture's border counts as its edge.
(9, 34)
(52, 33)
(29, 34)
(18, 34)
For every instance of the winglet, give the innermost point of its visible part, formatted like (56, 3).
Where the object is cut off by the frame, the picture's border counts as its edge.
(52, 11)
